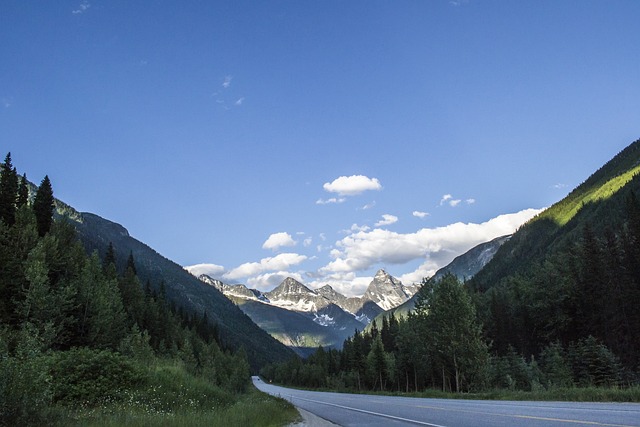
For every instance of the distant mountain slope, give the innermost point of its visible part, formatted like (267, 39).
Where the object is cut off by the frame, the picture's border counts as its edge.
(594, 201)
(236, 329)
(467, 265)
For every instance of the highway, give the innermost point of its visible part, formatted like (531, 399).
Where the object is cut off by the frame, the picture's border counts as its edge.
(352, 410)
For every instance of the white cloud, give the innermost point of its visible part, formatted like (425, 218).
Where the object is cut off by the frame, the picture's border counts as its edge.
(82, 8)
(211, 270)
(278, 240)
(363, 250)
(449, 200)
(307, 242)
(347, 284)
(368, 206)
(268, 281)
(352, 185)
(355, 228)
(386, 220)
(279, 262)
(445, 198)
(239, 101)
(329, 201)
(419, 214)
(559, 186)
(227, 82)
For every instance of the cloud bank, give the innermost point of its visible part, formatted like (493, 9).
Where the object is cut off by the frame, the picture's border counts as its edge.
(364, 249)
(282, 261)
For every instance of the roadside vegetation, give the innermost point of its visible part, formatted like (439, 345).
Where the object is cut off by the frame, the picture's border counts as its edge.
(84, 342)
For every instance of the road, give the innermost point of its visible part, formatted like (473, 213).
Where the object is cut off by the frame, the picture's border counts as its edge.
(352, 410)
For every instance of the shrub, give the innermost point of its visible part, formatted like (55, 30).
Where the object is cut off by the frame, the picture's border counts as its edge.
(91, 376)
(25, 384)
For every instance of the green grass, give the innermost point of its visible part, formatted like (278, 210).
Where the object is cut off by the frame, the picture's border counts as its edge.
(574, 394)
(173, 397)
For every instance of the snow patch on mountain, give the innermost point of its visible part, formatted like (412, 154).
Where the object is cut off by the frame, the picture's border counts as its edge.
(324, 320)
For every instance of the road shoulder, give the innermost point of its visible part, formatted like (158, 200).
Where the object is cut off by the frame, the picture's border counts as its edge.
(312, 420)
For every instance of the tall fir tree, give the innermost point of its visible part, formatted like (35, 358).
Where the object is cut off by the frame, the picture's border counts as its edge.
(8, 191)
(43, 206)
(23, 192)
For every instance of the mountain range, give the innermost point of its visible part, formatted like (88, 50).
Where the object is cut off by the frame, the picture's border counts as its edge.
(304, 319)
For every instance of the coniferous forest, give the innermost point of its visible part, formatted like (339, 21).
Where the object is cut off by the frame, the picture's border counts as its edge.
(556, 308)
(82, 338)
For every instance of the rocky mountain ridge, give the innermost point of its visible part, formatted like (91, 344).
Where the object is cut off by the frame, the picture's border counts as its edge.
(338, 316)
(384, 291)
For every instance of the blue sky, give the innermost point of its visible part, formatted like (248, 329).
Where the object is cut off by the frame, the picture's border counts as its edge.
(317, 139)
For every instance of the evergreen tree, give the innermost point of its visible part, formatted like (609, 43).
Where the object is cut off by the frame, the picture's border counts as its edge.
(8, 191)
(132, 294)
(377, 364)
(455, 337)
(43, 206)
(101, 316)
(23, 192)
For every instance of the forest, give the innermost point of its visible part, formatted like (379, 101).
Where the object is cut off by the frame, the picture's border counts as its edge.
(557, 307)
(82, 338)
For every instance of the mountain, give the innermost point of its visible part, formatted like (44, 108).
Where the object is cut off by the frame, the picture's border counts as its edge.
(293, 295)
(599, 200)
(182, 289)
(467, 265)
(464, 267)
(571, 273)
(387, 292)
(293, 314)
(303, 319)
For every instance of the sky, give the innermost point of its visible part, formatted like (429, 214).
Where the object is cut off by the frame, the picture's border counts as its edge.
(321, 140)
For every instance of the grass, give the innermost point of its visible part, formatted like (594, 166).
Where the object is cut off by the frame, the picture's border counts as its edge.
(573, 394)
(173, 397)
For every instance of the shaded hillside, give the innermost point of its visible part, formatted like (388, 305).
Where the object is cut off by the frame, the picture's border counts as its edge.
(236, 329)
(298, 330)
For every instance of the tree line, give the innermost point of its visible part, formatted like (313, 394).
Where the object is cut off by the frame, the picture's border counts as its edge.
(64, 313)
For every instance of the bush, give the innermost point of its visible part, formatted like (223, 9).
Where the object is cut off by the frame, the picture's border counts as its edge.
(25, 383)
(91, 376)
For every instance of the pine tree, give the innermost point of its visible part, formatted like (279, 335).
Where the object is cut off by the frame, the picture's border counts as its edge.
(8, 191)
(109, 263)
(43, 206)
(23, 192)
(455, 336)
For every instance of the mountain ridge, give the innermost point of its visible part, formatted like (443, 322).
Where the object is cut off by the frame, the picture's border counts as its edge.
(338, 314)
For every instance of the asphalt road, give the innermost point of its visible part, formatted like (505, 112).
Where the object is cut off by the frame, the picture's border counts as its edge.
(366, 410)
